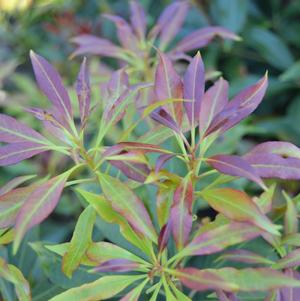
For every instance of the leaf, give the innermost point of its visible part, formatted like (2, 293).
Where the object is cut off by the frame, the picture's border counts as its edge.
(12, 131)
(38, 206)
(101, 289)
(292, 73)
(235, 166)
(164, 237)
(242, 105)
(245, 256)
(117, 265)
(89, 44)
(138, 19)
(233, 280)
(15, 182)
(284, 149)
(290, 216)
(213, 102)
(193, 88)
(15, 276)
(82, 237)
(101, 252)
(16, 152)
(289, 261)
(135, 293)
(51, 85)
(223, 296)
(10, 204)
(271, 47)
(264, 201)
(181, 212)
(170, 21)
(217, 239)
(104, 208)
(168, 85)
(274, 166)
(83, 91)
(201, 37)
(290, 293)
(125, 202)
(163, 117)
(232, 14)
(124, 31)
(238, 206)
(292, 240)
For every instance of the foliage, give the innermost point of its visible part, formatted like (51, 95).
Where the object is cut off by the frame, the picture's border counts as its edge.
(153, 131)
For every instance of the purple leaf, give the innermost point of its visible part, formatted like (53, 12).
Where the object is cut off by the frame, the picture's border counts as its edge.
(14, 183)
(38, 206)
(181, 212)
(138, 19)
(217, 239)
(193, 89)
(290, 293)
(289, 261)
(274, 166)
(284, 149)
(168, 85)
(235, 166)
(202, 37)
(213, 102)
(245, 256)
(16, 152)
(135, 171)
(125, 35)
(51, 84)
(83, 91)
(10, 204)
(12, 131)
(161, 160)
(223, 296)
(239, 107)
(117, 265)
(89, 44)
(161, 116)
(170, 22)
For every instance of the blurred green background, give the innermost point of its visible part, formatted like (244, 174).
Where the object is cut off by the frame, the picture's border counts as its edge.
(271, 41)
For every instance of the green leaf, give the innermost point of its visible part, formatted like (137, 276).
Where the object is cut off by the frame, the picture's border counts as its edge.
(292, 73)
(81, 239)
(238, 206)
(290, 217)
(14, 275)
(108, 214)
(101, 289)
(126, 203)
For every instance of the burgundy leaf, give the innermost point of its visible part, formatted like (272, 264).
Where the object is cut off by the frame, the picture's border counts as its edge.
(138, 19)
(193, 89)
(83, 91)
(17, 152)
(239, 107)
(164, 236)
(202, 37)
(168, 85)
(181, 212)
(12, 131)
(235, 166)
(274, 166)
(125, 35)
(51, 85)
(38, 206)
(117, 265)
(161, 116)
(284, 149)
(135, 171)
(89, 44)
(170, 21)
(213, 102)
